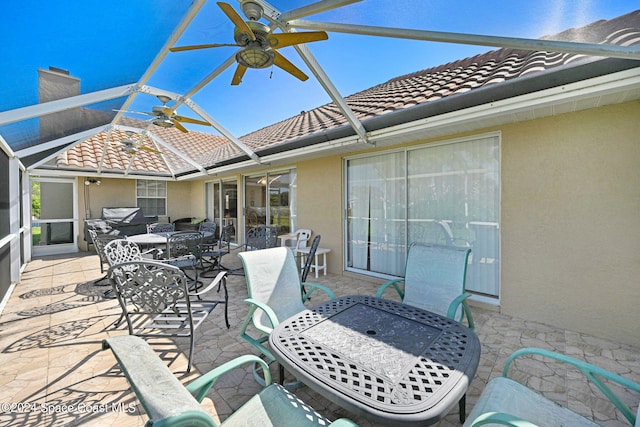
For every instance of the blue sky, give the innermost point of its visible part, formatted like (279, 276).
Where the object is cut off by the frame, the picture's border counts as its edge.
(115, 40)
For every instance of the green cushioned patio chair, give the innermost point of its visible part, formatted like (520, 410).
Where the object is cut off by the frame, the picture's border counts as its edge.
(168, 403)
(508, 402)
(434, 280)
(274, 293)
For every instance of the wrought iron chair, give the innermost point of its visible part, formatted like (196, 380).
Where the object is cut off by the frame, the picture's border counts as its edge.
(160, 227)
(274, 294)
(261, 237)
(434, 280)
(122, 250)
(308, 263)
(99, 241)
(174, 404)
(208, 230)
(184, 252)
(156, 301)
(211, 255)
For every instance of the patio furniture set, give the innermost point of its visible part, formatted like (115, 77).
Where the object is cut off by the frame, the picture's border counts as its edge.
(395, 363)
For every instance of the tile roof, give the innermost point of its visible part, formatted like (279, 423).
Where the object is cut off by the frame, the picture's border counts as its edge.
(398, 94)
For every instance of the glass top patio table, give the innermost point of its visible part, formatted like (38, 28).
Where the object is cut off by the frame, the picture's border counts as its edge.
(151, 239)
(390, 362)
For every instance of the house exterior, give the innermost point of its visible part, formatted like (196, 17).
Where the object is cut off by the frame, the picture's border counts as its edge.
(551, 197)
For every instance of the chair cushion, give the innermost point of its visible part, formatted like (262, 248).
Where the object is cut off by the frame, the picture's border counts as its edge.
(277, 407)
(506, 395)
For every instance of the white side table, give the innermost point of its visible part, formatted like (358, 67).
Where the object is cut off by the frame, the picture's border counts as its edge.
(316, 265)
(286, 237)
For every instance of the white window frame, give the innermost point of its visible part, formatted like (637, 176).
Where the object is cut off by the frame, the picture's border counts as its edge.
(148, 196)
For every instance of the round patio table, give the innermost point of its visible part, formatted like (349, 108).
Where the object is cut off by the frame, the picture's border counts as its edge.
(151, 239)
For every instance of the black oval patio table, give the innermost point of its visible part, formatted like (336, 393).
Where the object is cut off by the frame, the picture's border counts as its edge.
(390, 362)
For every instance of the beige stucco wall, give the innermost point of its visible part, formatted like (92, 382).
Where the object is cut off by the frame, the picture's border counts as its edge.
(571, 221)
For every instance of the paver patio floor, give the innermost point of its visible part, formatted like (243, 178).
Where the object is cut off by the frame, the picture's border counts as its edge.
(53, 371)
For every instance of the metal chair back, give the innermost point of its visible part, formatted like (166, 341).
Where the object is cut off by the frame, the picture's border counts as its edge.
(310, 258)
(160, 227)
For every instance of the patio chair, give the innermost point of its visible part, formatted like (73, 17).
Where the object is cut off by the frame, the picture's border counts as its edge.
(274, 294)
(261, 237)
(174, 404)
(308, 262)
(434, 280)
(208, 230)
(184, 252)
(156, 301)
(99, 241)
(118, 251)
(211, 255)
(160, 227)
(508, 402)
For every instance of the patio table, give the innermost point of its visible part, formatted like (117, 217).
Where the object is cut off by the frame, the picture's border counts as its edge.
(157, 239)
(151, 239)
(390, 362)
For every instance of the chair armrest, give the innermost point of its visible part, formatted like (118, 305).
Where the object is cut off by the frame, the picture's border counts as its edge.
(466, 311)
(393, 283)
(316, 287)
(221, 276)
(201, 386)
(343, 422)
(500, 418)
(592, 372)
(273, 318)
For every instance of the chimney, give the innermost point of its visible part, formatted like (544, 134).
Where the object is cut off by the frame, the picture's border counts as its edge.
(53, 84)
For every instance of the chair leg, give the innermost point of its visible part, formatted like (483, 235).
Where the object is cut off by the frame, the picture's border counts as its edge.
(462, 406)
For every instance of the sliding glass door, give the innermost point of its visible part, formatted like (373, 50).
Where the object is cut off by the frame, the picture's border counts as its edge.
(442, 193)
(221, 200)
(270, 199)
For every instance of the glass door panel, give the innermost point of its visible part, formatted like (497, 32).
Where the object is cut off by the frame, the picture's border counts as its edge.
(53, 226)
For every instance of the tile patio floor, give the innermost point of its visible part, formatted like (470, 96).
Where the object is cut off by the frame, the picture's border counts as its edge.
(53, 370)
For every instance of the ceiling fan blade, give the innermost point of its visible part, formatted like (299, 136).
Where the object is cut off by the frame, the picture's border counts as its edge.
(149, 149)
(287, 39)
(190, 120)
(237, 76)
(236, 19)
(179, 126)
(200, 46)
(134, 112)
(284, 63)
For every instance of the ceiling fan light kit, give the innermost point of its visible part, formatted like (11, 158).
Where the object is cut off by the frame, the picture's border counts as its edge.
(255, 57)
(163, 122)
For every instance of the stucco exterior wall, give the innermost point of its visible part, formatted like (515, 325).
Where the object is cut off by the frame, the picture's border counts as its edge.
(570, 221)
(320, 205)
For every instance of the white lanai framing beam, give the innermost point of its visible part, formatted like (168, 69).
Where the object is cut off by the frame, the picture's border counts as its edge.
(279, 19)
(591, 49)
(63, 104)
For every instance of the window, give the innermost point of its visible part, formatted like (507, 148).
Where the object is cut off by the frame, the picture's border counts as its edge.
(442, 193)
(151, 196)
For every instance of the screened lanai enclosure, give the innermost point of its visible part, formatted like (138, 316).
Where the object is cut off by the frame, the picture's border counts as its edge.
(233, 95)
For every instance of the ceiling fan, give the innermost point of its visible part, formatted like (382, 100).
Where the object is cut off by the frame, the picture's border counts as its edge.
(166, 117)
(132, 144)
(259, 45)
